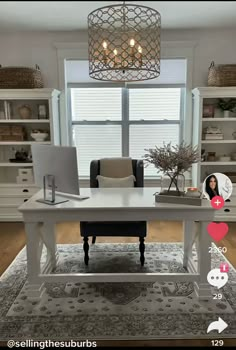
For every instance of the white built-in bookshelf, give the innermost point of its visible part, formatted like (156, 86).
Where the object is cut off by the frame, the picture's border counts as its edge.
(218, 152)
(26, 116)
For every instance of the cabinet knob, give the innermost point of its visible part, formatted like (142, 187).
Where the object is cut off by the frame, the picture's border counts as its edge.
(25, 190)
(25, 200)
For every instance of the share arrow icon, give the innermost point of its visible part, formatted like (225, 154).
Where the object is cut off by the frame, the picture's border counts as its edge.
(219, 325)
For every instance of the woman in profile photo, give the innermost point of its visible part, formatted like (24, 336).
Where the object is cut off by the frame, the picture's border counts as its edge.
(219, 185)
(211, 187)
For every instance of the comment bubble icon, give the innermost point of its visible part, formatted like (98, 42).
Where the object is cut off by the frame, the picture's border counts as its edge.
(216, 278)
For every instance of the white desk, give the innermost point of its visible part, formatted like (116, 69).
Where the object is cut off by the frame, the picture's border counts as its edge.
(113, 205)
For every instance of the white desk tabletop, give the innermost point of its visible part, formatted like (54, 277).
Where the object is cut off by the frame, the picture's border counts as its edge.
(111, 198)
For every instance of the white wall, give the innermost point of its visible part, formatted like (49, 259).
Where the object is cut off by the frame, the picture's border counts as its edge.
(211, 45)
(28, 49)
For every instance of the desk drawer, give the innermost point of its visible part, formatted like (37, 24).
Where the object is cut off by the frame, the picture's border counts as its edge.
(9, 210)
(228, 213)
(12, 200)
(21, 190)
(231, 203)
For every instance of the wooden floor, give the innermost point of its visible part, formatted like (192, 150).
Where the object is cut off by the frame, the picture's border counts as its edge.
(12, 240)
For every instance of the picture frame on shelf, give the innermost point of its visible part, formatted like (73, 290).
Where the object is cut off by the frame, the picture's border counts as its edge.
(42, 111)
(208, 111)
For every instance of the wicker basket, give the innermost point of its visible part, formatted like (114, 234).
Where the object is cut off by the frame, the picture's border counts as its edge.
(12, 133)
(20, 78)
(11, 137)
(222, 75)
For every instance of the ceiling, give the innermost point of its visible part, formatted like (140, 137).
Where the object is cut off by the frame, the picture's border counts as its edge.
(72, 15)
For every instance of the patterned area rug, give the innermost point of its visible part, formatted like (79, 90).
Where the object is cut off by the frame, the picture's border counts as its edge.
(113, 310)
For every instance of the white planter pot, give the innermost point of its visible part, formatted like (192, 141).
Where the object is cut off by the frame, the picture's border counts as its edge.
(226, 114)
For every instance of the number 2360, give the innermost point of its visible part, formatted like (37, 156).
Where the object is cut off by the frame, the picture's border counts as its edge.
(217, 250)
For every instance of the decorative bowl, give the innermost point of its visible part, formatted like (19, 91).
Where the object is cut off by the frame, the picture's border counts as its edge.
(39, 136)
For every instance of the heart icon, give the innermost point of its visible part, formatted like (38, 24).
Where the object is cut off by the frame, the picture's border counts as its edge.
(217, 230)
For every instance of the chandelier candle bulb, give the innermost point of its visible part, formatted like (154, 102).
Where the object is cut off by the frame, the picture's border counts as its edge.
(140, 50)
(104, 44)
(115, 57)
(132, 43)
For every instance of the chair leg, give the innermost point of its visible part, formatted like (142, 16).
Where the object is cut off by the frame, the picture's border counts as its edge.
(94, 240)
(141, 249)
(86, 250)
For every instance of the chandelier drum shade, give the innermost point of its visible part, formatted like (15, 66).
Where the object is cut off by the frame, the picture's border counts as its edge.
(124, 43)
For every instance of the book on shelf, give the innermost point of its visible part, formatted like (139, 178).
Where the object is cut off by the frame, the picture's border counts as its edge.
(7, 109)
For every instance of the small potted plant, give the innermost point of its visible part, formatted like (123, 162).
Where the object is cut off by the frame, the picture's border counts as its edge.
(173, 162)
(227, 105)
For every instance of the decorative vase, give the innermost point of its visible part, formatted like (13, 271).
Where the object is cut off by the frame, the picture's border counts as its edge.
(25, 112)
(173, 184)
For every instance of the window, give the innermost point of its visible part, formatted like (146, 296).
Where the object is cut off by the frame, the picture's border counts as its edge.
(123, 121)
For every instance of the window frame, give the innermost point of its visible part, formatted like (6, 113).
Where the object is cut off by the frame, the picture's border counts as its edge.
(125, 122)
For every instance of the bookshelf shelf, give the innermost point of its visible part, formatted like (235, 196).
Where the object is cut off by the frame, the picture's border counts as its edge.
(17, 165)
(24, 121)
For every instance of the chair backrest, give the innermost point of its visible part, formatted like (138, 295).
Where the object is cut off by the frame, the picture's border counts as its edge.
(137, 166)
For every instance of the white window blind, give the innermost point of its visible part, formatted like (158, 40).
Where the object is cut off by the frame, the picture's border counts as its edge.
(154, 103)
(148, 136)
(96, 104)
(94, 142)
(105, 125)
(149, 105)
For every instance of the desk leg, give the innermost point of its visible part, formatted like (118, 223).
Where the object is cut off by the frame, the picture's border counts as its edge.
(203, 288)
(35, 288)
(49, 239)
(188, 231)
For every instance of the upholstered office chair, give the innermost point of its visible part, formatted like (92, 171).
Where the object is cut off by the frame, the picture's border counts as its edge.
(118, 229)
